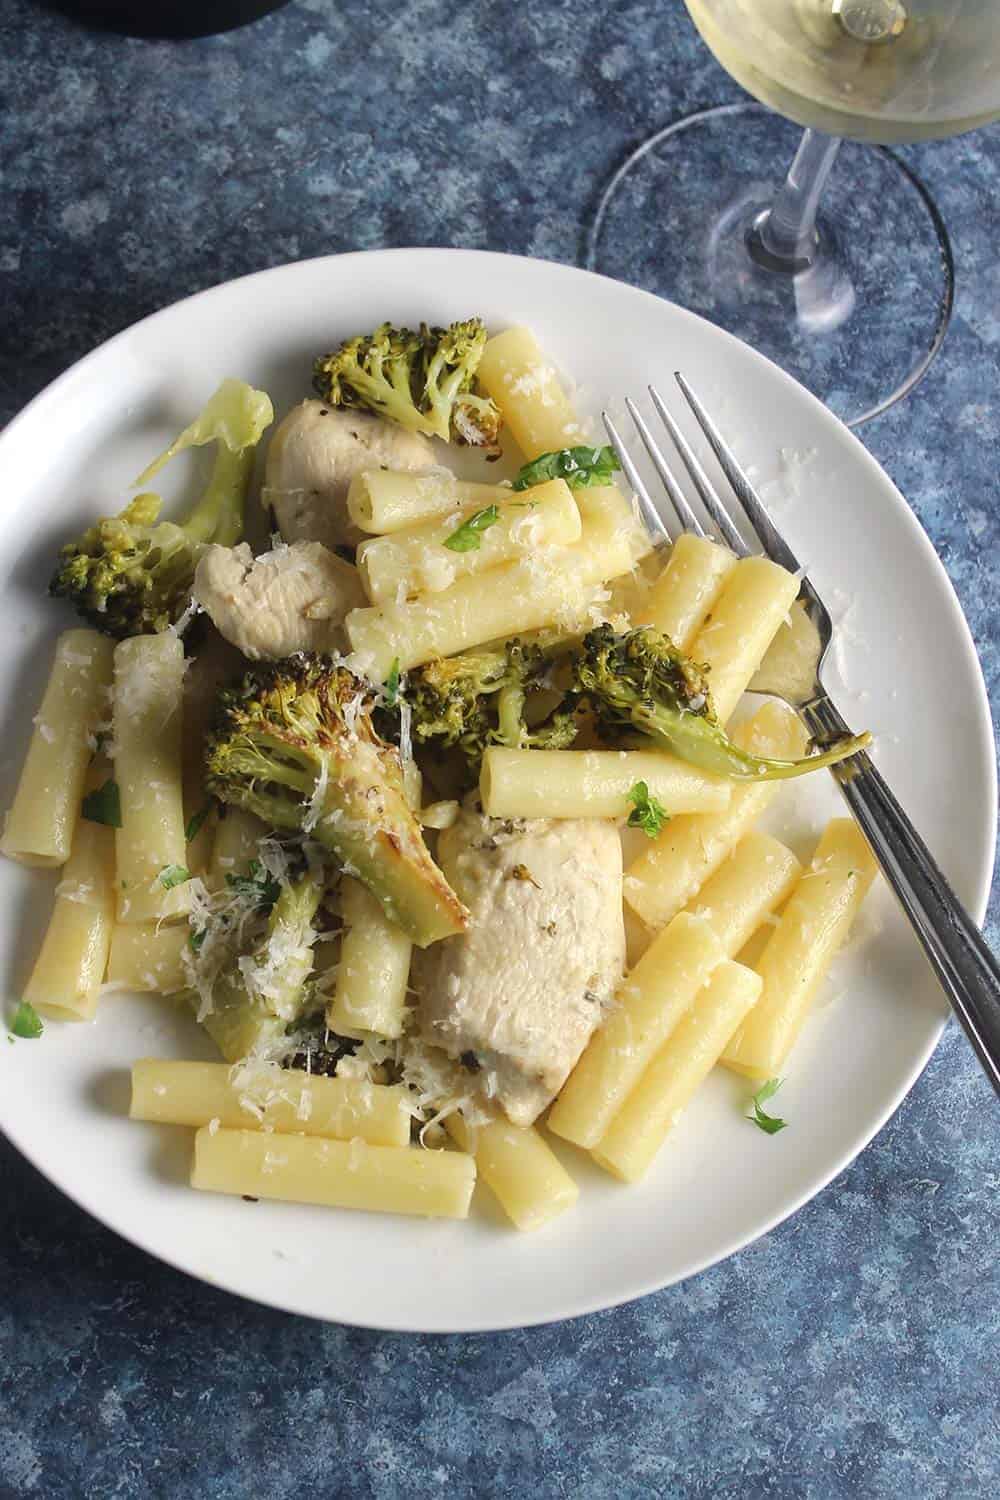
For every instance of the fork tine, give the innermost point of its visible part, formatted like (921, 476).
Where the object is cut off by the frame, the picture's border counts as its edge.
(650, 514)
(773, 543)
(689, 521)
(699, 478)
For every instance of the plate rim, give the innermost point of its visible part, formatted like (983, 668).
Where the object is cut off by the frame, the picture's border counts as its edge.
(984, 732)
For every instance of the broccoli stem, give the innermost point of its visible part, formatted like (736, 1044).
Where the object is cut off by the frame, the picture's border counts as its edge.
(510, 715)
(241, 1022)
(704, 744)
(367, 825)
(218, 515)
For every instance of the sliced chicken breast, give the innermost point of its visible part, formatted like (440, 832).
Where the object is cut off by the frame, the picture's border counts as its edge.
(312, 458)
(518, 996)
(290, 599)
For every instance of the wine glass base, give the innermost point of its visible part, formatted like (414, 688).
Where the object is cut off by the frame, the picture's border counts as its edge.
(859, 326)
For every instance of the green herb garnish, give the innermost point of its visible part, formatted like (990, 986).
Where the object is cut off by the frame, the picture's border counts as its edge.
(196, 823)
(27, 1023)
(469, 536)
(770, 1124)
(257, 884)
(647, 813)
(172, 875)
(197, 939)
(580, 467)
(392, 683)
(103, 805)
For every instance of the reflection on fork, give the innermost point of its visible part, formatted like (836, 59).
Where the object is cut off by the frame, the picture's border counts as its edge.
(967, 970)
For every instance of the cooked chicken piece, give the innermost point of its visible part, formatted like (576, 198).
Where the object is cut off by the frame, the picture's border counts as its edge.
(312, 458)
(290, 599)
(518, 995)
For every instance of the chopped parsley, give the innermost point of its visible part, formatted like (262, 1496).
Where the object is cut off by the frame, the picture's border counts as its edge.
(469, 536)
(770, 1124)
(172, 875)
(196, 824)
(647, 813)
(392, 683)
(103, 805)
(197, 939)
(257, 884)
(580, 467)
(27, 1023)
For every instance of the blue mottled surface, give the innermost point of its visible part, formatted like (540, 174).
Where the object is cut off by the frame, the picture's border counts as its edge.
(852, 1353)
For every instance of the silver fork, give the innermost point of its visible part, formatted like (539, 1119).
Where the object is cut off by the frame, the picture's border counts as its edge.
(968, 971)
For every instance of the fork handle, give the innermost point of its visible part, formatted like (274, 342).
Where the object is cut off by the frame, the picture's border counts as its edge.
(968, 971)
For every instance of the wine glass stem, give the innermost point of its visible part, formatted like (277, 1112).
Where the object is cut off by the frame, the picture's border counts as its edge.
(783, 238)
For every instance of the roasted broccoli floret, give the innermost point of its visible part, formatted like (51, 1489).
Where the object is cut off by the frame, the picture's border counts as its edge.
(294, 743)
(638, 680)
(424, 381)
(260, 994)
(478, 699)
(131, 574)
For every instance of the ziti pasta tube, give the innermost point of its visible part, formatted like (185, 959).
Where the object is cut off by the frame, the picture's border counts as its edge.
(434, 555)
(668, 1084)
(334, 1174)
(521, 1170)
(679, 599)
(741, 624)
(795, 961)
(150, 844)
(592, 783)
(41, 821)
(284, 1100)
(525, 386)
(66, 980)
(665, 876)
(373, 971)
(382, 501)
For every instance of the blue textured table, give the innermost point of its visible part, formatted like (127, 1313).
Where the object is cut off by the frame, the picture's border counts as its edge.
(850, 1353)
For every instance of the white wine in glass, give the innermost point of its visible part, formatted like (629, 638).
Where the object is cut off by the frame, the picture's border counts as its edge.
(851, 294)
(870, 70)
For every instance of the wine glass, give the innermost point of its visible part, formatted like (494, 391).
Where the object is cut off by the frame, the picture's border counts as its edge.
(843, 277)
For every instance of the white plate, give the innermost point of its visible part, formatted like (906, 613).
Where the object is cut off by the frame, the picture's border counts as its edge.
(911, 675)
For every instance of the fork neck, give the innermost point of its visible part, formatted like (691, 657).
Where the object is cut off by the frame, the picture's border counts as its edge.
(783, 238)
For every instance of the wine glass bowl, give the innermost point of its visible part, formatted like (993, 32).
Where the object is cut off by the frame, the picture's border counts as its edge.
(882, 71)
(844, 275)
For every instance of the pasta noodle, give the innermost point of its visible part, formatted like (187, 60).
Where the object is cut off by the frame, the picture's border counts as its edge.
(666, 1088)
(150, 845)
(812, 927)
(753, 882)
(648, 1006)
(526, 388)
(66, 980)
(741, 624)
(519, 1167)
(552, 587)
(235, 846)
(42, 819)
(335, 1174)
(148, 956)
(666, 875)
(374, 968)
(382, 501)
(592, 783)
(283, 1100)
(678, 601)
(662, 986)
(417, 560)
